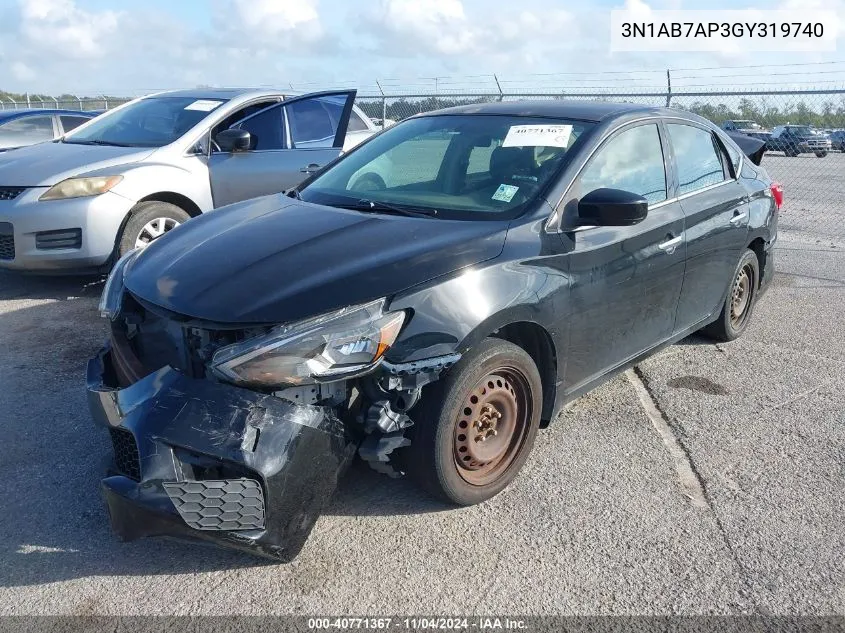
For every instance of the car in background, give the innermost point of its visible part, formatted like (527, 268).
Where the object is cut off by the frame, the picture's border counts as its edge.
(793, 140)
(19, 128)
(837, 140)
(515, 256)
(135, 172)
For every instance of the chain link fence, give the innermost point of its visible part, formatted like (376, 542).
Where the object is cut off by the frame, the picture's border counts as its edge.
(814, 184)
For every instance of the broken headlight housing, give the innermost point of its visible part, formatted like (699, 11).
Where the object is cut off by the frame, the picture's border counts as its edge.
(111, 300)
(342, 344)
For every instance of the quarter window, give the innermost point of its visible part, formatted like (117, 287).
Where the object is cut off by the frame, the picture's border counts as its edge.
(632, 161)
(356, 123)
(697, 157)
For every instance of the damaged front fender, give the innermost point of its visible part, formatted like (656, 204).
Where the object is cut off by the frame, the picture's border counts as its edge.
(204, 460)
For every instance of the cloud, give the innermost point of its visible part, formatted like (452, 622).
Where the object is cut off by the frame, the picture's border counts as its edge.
(62, 27)
(283, 21)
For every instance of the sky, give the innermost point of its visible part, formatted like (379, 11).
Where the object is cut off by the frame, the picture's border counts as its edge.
(127, 48)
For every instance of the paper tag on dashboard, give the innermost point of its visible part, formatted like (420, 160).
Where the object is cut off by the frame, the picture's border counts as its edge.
(203, 105)
(538, 136)
(505, 193)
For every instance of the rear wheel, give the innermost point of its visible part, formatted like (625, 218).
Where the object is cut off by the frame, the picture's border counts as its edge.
(821, 154)
(149, 221)
(475, 427)
(739, 304)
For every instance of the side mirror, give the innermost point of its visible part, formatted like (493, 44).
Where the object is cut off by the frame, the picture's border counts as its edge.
(233, 140)
(611, 207)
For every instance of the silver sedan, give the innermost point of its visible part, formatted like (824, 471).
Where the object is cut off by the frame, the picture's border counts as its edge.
(126, 177)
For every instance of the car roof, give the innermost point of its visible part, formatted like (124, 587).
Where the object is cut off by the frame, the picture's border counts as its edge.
(562, 108)
(220, 93)
(13, 114)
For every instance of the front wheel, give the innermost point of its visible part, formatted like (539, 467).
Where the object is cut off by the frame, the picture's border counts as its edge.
(821, 154)
(474, 428)
(739, 304)
(149, 221)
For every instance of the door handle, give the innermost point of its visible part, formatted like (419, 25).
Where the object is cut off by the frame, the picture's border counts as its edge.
(669, 246)
(738, 218)
(310, 168)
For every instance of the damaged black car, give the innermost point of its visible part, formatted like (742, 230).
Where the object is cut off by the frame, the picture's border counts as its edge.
(427, 303)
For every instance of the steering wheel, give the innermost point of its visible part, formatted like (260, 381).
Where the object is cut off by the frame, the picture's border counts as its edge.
(369, 182)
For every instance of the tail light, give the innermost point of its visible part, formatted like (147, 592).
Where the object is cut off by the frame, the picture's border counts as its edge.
(777, 194)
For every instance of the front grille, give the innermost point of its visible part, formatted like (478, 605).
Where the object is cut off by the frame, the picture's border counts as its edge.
(7, 241)
(126, 458)
(63, 238)
(222, 504)
(10, 193)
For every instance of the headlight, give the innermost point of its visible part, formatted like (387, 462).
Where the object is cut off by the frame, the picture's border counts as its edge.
(81, 187)
(111, 300)
(341, 344)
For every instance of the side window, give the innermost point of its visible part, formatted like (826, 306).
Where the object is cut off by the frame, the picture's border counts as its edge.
(265, 128)
(479, 158)
(33, 128)
(631, 161)
(697, 156)
(356, 123)
(72, 122)
(313, 122)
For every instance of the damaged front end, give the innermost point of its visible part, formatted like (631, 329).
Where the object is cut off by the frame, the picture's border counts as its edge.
(210, 445)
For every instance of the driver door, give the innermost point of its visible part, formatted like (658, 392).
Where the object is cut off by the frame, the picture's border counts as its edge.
(289, 141)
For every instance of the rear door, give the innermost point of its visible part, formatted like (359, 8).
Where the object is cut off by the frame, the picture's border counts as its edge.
(625, 280)
(716, 209)
(290, 140)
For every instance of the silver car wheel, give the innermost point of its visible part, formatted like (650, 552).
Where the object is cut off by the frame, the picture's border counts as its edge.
(153, 229)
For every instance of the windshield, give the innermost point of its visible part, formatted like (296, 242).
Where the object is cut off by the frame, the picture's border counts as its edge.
(150, 122)
(462, 166)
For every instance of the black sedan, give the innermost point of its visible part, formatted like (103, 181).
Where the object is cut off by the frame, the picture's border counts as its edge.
(428, 302)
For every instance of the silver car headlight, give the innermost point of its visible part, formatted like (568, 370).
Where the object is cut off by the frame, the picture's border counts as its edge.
(341, 344)
(111, 301)
(80, 187)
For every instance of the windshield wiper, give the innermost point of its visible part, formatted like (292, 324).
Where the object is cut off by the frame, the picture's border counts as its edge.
(96, 142)
(384, 207)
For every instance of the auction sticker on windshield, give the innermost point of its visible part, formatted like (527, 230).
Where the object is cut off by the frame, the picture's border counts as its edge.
(505, 193)
(538, 136)
(204, 105)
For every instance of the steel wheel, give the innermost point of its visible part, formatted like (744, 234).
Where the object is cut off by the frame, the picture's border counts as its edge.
(492, 426)
(153, 229)
(743, 289)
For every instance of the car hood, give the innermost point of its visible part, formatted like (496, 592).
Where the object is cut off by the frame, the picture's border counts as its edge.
(45, 164)
(275, 260)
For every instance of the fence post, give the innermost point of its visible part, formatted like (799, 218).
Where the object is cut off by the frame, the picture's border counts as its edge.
(383, 105)
(499, 86)
(80, 102)
(668, 88)
(13, 102)
(28, 103)
(105, 102)
(57, 102)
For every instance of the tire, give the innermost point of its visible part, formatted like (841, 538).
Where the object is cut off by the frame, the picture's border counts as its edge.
(142, 215)
(821, 154)
(461, 407)
(734, 319)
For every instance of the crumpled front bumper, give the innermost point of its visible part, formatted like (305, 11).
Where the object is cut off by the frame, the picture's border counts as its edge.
(204, 460)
